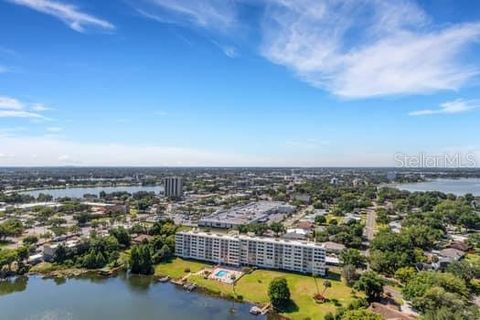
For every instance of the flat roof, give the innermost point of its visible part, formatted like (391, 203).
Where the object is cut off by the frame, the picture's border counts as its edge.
(261, 239)
(244, 214)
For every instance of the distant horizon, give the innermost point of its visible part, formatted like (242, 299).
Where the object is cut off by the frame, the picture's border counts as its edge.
(248, 167)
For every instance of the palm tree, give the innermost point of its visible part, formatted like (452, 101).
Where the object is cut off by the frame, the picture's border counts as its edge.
(326, 284)
(233, 278)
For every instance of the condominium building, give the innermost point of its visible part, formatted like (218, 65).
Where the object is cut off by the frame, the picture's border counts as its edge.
(243, 250)
(173, 187)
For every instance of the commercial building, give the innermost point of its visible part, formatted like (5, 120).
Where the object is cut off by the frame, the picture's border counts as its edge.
(173, 187)
(243, 250)
(255, 212)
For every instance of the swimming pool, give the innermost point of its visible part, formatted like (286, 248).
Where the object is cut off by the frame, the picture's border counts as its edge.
(221, 273)
(225, 275)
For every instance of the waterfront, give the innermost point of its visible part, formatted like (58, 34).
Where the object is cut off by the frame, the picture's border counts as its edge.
(123, 298)
(455, 186)
(79, 192)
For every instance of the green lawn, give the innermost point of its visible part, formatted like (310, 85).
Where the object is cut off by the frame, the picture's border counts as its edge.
(473, 257)
(254, 288)
(175, 268)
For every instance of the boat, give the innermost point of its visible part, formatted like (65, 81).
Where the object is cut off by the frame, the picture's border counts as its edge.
(190, 286)
(255, 310)
(164, 279)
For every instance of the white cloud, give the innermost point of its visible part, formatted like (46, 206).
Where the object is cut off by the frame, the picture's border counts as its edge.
(359, 49)
(14, 108)
(66, 159)
(228, 50)
(20, 114)
(39, 107)
(10, 103)
(54, 129)
(353, 49)
(450, 107)
(69, 14)
(211, 14)
(50, 151)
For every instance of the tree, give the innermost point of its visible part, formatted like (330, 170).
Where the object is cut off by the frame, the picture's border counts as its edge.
(421, 282)
(100, 260)
(474, 240)
(279, 293)
(370, 283)
(326, 284)
(329, 316)
(22, 256)
(42, 197)
(391, 251)
(61, 254)
(361, 314)
(83, 217)
(320, 219)
(318, 205)
(382, 216)
(465, 270)
(435, 298)
(404, 274)
(11, 228)
(457, 212)
(277, 228)
(258, 228)
(90, 260)
(30, 240)
(352, 257)
(162, 254)
(242, 228)
(446, 313)
(141, 261)
(121, 235)
(349, 274)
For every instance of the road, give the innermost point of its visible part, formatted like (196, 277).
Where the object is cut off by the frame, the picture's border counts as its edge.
(303, 212)
(370, 224)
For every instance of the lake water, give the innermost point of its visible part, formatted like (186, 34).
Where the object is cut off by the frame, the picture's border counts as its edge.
(455, 186)
(120, 298)
(79, 192)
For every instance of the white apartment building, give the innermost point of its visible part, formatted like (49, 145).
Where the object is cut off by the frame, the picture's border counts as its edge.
(173, 187)
(243, 250)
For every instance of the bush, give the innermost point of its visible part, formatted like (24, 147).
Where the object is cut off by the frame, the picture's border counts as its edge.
(30, 240)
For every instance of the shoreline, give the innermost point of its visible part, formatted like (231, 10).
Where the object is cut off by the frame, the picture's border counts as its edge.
(64, 187)
(78, 273)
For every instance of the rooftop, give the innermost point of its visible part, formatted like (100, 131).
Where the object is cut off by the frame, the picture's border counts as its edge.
(261, 239)
(248, 213)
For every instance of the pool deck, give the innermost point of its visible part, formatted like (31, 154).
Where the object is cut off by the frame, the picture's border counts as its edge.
(224, 274)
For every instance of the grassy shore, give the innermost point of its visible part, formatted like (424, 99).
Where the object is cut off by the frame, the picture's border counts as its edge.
(55, 270)
(253, 288)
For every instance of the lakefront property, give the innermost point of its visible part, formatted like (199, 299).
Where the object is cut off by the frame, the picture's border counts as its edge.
(239, 160)
(245, 250)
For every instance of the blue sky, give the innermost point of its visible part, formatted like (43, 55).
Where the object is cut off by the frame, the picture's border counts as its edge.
(237, 82)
